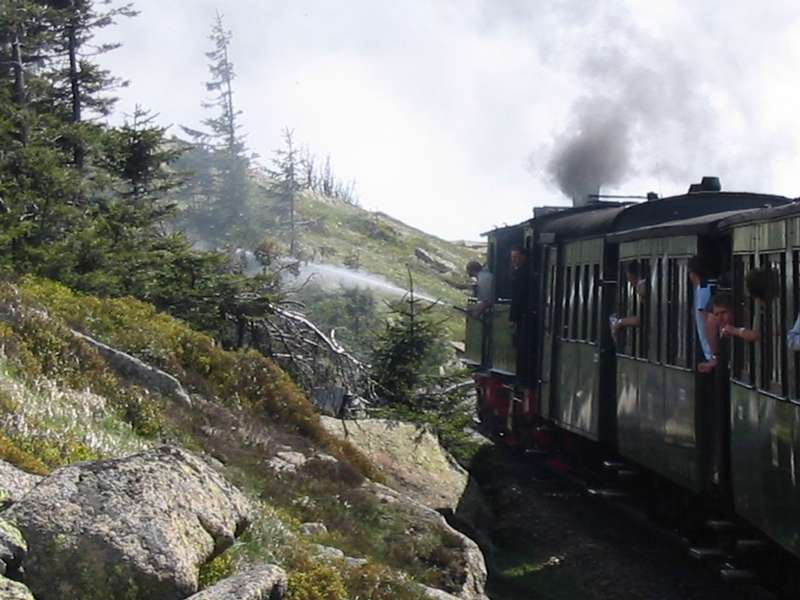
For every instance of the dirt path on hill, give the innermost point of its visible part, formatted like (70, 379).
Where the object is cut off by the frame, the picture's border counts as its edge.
(552, 542)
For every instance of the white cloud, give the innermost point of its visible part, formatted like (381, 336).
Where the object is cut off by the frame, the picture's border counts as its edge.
(438, 109)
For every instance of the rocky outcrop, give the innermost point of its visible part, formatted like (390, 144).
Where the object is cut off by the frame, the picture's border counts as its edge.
(265, 582)
(435, 594)
(414, 462)
(287, 461)
(471, 574)
(141, 373)
(144, 375)
(11, 590)
(314, 528)
(327, 553)
(15, 483)
(12, 546)
(438, 264)
(134, 527)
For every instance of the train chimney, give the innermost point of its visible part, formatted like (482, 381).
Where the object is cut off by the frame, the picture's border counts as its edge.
(590, 197)
(707, 184)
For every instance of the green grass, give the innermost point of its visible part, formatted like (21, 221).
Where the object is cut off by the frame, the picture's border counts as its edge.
(384, 246)
(59, 403)
(237, 379)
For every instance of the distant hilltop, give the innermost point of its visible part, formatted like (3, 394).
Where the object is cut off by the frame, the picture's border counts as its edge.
(472, 245)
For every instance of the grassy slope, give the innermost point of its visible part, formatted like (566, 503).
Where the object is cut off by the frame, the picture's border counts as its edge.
(60, 403)
(333, 232)
(385, 246)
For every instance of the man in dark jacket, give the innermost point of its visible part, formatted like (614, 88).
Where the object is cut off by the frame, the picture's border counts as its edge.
(520, 284)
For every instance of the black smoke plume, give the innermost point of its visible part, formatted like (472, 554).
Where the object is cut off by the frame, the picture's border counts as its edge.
(594, 152)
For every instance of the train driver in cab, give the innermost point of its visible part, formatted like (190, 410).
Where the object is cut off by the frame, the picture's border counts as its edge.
(484, 288)
(520, 284)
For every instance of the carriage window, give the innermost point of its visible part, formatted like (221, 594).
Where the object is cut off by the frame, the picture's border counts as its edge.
(656, 309)
(629, 306)
(550, 308)
(586, 305)
(642, 296)
(773, 334)
(795, 356)
(574, 329)
(743, 352)
(621, 337)
(567, 304)
(680, 328)
(595, 302)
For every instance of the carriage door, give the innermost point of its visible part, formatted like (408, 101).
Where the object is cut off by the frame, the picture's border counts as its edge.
(549, 317)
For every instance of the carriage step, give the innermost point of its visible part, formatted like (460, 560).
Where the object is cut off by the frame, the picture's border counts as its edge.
(720, 525)
(627, 474)
(739, 576)
(606, 493)
(698, 553)
(536, 452)
(747, 546)
(613, 465)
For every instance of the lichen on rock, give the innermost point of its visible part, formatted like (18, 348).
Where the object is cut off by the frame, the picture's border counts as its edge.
(14, 482)
(11, 590)
(264, 582)
(134, 527)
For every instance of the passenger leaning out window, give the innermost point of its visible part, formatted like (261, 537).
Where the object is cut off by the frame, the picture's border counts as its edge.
(705, 324)
(762, 287)
(634, 276)
(793, 335)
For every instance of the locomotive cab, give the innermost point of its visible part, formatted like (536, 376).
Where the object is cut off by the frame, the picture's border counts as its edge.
(490, 339)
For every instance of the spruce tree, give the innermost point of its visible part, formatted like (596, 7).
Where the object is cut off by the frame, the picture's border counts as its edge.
(405, 355)
(285, 174)
(222, 180)
(78, 84)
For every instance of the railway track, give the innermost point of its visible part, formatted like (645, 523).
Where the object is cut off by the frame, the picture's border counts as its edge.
(729, 550)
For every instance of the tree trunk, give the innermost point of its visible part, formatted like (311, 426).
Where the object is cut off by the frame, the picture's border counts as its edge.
(292, 240)
(229, 102)
(19, 86)
(74, 83)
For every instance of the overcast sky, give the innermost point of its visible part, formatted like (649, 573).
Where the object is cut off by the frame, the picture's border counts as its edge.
(456, 116)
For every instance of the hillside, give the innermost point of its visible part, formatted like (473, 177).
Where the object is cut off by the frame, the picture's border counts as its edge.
(338, 233)
(250, 488)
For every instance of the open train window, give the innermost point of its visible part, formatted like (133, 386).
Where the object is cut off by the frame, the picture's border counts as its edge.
(567, 304)
(656, 303)
(795, 356)
(623, 309)
(586, 305)
(680, 328)
(773, 329)
(743, 352)
(628, 338)
(575, 325)
(642, 296)
(550, 305)
(594, 303)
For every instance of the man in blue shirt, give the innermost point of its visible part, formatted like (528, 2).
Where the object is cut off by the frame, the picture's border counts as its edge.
(705, 326)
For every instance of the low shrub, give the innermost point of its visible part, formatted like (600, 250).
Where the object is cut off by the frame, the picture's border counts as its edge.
(377, 582)
(216, 570)
(315, 581)
(242, 378)
(36, 346)
(11, 453)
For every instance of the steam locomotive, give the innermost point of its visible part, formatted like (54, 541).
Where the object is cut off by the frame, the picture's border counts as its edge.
(563, 380)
